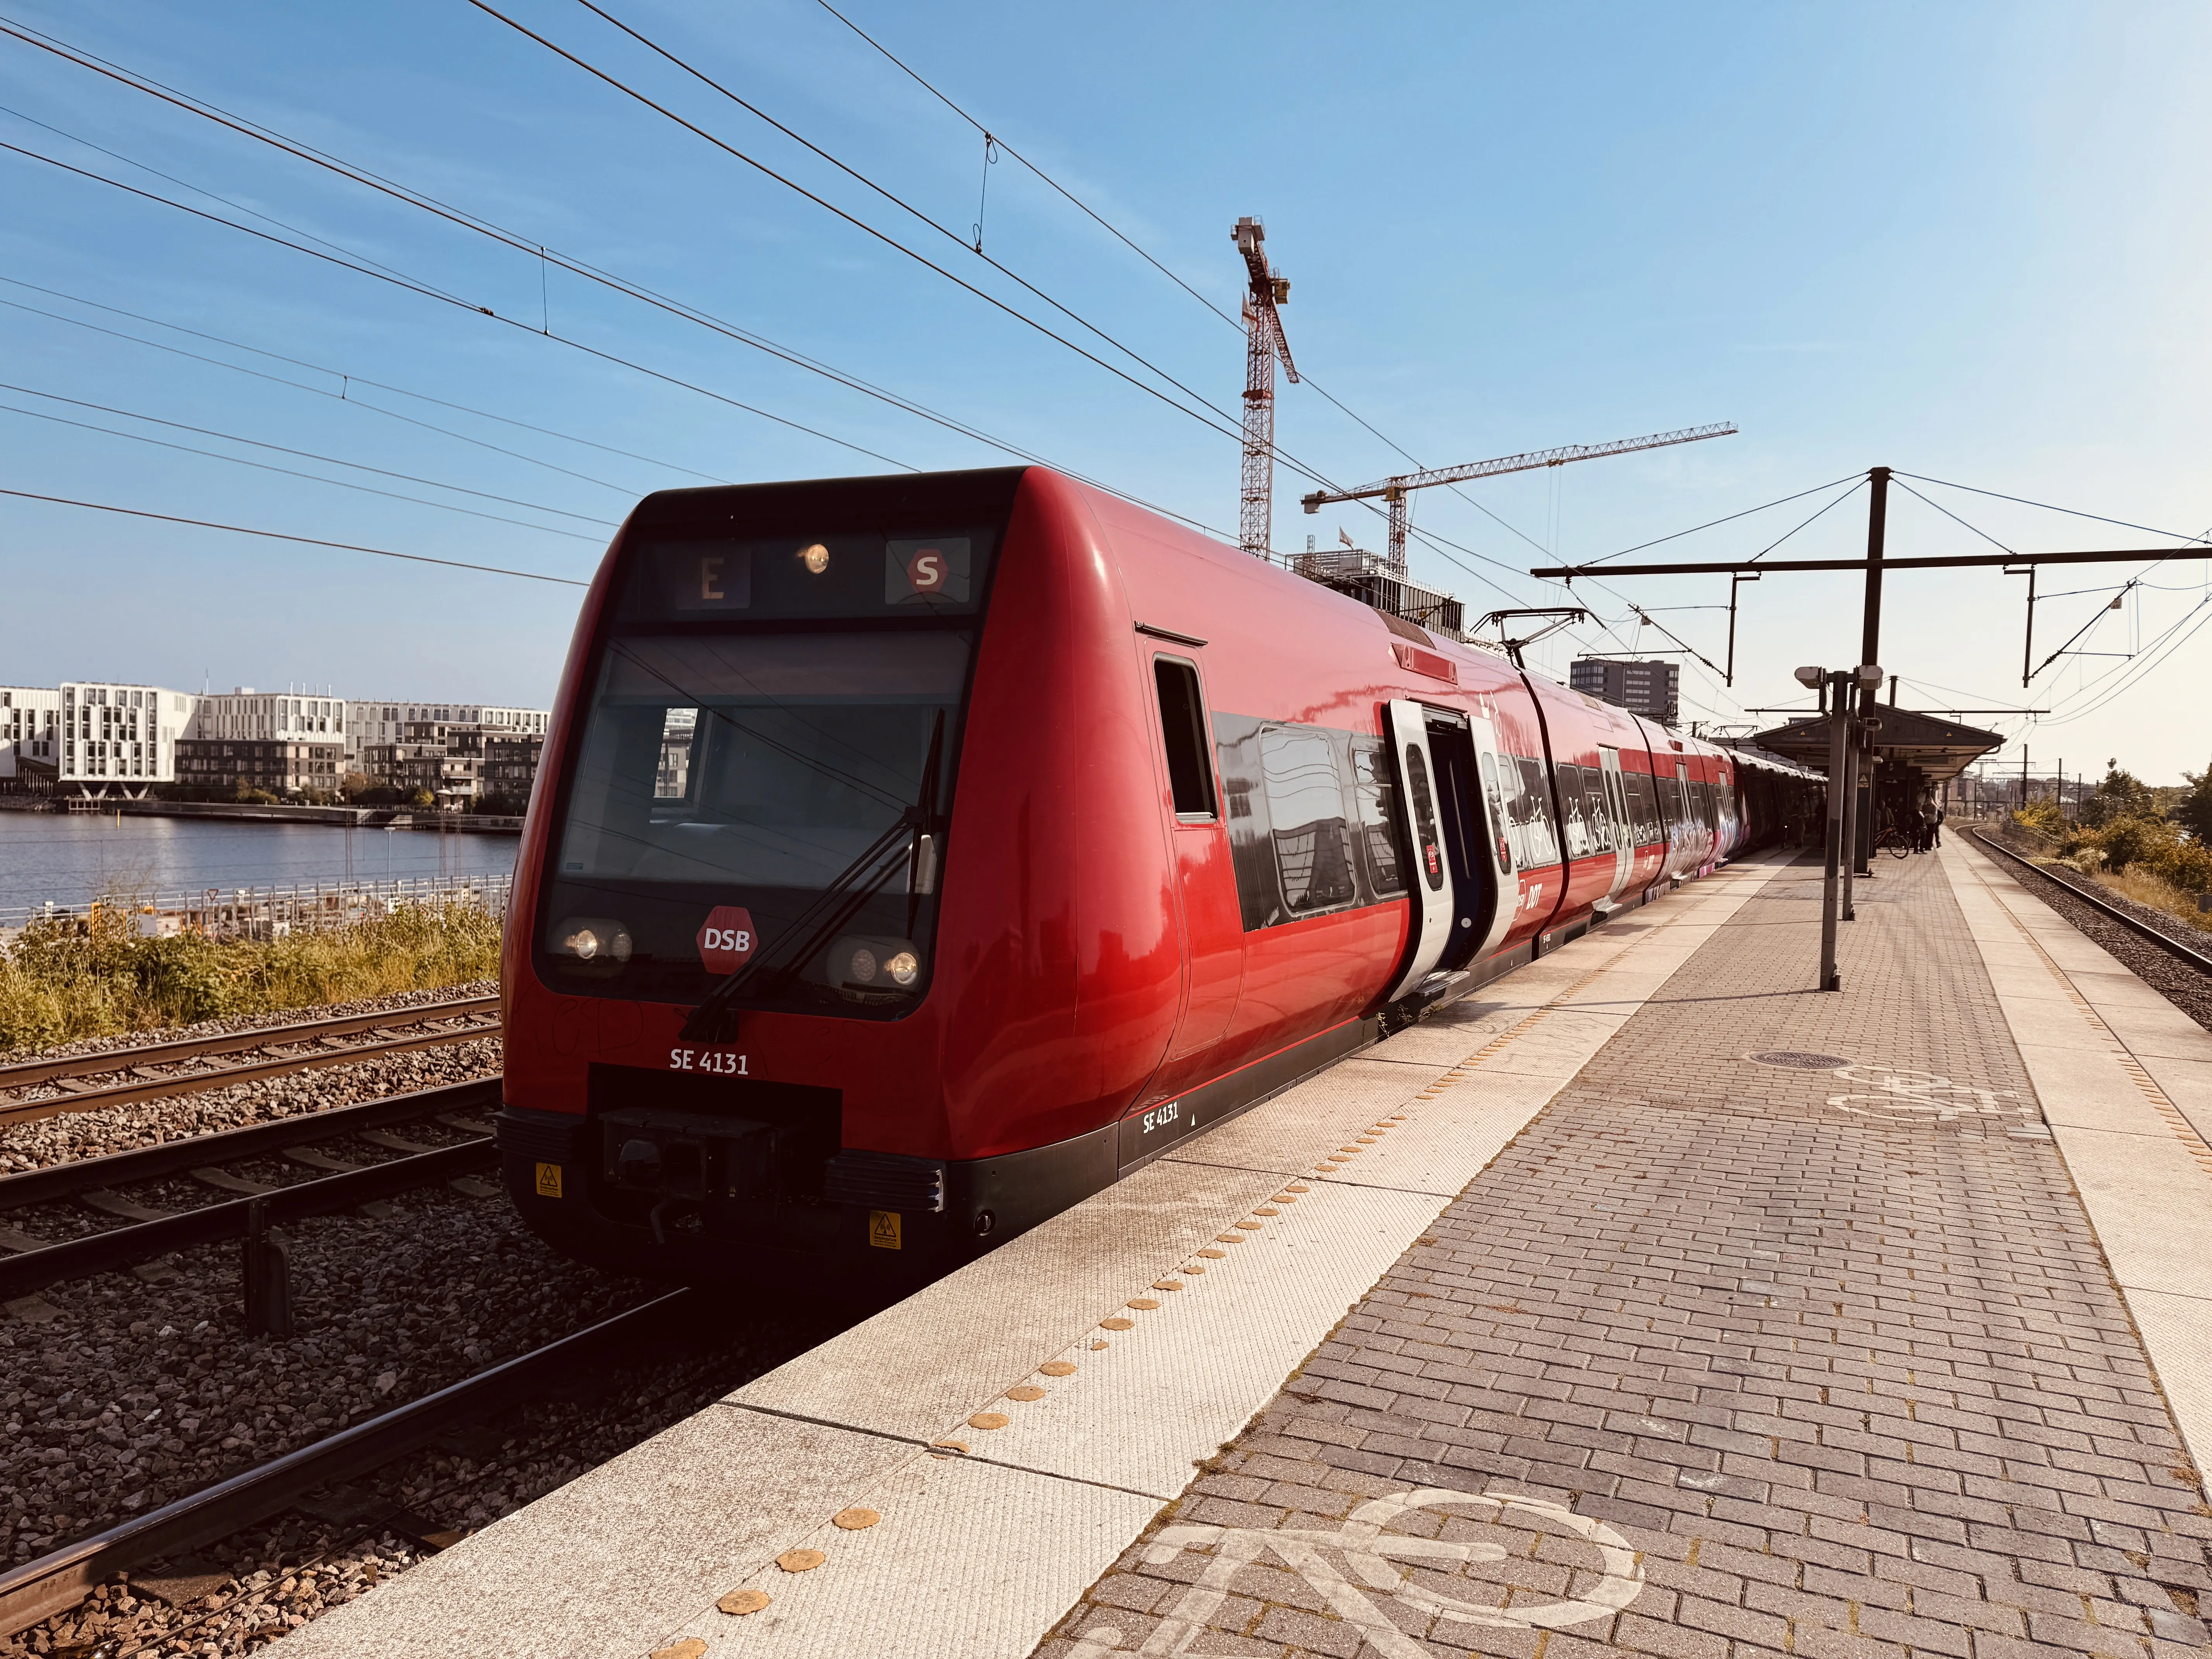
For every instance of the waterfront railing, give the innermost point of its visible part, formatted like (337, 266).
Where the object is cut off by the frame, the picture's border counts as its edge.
(269, 912)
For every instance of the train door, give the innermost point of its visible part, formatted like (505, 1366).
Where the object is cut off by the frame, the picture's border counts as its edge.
(1497, 850)
(1414, 768)
(1691, 854)
(1616, 805)
(1466, 850)
(1206, 890)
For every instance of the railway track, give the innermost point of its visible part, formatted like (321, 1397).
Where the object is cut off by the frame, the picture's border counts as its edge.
(343, 1184)
(60, 1579)
(83, 1083)
(2135, 925)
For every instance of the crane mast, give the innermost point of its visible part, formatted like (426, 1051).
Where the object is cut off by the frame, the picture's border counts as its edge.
(1263, 344)
(1394, 490)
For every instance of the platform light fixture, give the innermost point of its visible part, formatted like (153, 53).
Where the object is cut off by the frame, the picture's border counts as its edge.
(1810, 677)
(1870, 676)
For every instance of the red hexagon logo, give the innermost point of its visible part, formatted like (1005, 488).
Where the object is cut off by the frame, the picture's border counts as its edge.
(726, 939)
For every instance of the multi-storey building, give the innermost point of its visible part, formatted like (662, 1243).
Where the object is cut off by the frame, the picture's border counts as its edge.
(30, 738)
(220, 766)
(384, 721)
(510, 766)
(446, 761)
(269, 717)
(1652, 690)
(119, 735)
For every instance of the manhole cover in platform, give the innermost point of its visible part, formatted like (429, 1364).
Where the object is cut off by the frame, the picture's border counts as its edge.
(1797, 1060)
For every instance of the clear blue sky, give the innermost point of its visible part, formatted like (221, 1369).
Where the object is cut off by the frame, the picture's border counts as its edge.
(1965, 241)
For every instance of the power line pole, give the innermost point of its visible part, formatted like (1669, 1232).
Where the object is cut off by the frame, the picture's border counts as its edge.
(1870, 652)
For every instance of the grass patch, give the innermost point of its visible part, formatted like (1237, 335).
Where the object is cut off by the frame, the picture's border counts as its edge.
(68, 978)
(2144, 888)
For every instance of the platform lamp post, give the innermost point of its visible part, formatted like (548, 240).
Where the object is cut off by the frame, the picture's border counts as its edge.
(1842, 801)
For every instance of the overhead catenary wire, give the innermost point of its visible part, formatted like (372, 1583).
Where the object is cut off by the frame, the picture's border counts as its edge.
(1204, 417)
(1118, 234)
(536, 251)
(304, 454)
(291, 473)
(2202, 536)
(1052, 183)
(347, 379)
(282, 536)
(900, 201)
(429, 292)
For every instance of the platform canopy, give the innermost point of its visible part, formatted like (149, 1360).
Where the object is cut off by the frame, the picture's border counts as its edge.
(1940, 749)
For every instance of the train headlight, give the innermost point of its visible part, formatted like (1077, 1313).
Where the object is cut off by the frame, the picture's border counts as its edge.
(814, 558)
(599, 944)
(874, 968)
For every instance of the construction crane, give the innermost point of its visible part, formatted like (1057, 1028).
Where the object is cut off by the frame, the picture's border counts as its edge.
(1264, 342)
(1393, 491)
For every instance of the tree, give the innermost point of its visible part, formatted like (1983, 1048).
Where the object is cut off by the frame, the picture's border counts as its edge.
(2194, 813)
(2121, 795)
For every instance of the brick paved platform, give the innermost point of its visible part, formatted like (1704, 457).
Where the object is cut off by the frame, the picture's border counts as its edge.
(1724, 1357)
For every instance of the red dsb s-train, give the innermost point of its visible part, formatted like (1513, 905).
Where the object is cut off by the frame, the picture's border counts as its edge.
(915, 856)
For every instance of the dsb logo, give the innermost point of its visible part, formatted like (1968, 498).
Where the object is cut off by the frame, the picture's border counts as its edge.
(725, 939)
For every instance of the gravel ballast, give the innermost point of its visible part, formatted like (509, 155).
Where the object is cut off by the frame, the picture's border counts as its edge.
(2187, 988)
(70, 1135)
(128, 1390)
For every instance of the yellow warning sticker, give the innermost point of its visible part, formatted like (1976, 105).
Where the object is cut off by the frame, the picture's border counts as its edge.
(883, 1229)
(549, 1181)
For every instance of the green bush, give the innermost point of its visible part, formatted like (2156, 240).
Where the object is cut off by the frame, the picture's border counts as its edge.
(2150, 842)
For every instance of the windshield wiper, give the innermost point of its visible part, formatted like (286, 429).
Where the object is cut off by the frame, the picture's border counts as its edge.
(838, 902)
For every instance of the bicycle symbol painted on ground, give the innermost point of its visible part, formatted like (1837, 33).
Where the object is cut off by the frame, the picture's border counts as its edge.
(1920, 1094)
(1372, 1558)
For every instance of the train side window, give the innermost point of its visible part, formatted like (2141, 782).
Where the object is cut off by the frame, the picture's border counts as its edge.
(1375, 794)
(1644, 798)
(1541, 822)
(1305, 803)
(1576, 832)
(1601, 814)
(1182, 728)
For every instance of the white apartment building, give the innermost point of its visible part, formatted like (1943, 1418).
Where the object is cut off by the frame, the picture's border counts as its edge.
(243, 713)
(30, 731)
(120, 734)
(382, 720)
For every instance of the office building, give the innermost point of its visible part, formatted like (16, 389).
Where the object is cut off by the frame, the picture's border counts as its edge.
(1649, 689)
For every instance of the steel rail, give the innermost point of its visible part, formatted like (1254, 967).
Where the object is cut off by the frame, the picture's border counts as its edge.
(2194, 958)
(87, 1100)
(119, 1247)
(24, 1074)
(60, 1579)
(85, 1175)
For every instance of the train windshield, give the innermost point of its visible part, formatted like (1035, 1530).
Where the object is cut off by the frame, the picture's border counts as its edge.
(765, 771)
(757, 761)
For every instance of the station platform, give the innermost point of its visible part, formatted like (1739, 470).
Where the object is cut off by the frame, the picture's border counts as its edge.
(1647, 1300)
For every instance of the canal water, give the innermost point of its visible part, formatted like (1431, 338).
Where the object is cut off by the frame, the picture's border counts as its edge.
(71, 858)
